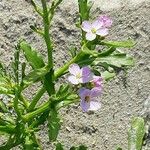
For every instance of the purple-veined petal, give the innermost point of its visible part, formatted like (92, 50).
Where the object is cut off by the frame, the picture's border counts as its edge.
(86, 26)
(73, 80)
(84, 92)
(90, 36)
(107, 22)
(86, 71)
(84, 105)
(95, 92)
(80, 91)
(94, 105)
(74, 69)
(87, 75)
(97, 25)
(102, 32)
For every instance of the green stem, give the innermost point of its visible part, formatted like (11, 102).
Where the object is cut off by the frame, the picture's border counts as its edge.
(61, 70)
(46, 33)
(84, 15)
(40, 110)
(16, 102)
(52, 9)
(36, 99)
(49, 85)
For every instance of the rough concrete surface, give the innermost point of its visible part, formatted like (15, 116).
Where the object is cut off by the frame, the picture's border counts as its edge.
(122, 97)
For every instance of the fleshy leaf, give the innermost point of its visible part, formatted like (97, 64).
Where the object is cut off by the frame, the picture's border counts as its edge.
(119, 148)
(54, 124)
(107, 75)
(84, 9)
(32, 56)
(136, 134)
(117, 60)
(59, 146)
(81, 147)
(63, 90)
(72, 98)
(3, 107)
(35, 76)
(73, 51)
(125, 44)
(5, 86)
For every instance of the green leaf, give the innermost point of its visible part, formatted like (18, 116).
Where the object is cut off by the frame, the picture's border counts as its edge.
(71, 98)
(30, 144)
(6, 86)
(32, 56)
(54, 124)
(3, 107)
(95, 53)
(35, 76)
(136, 134)
(6, 119)
(125, 44)
(73, 51)
(73, 148)
(84, 9)
(106, 75)
(117, 60)
(81, 147)
(59, 146)
(119, 148)
(7, 129)
(107, 52)
(63, 90)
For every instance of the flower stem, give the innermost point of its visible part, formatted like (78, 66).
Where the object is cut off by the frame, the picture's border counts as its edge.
(61, 70)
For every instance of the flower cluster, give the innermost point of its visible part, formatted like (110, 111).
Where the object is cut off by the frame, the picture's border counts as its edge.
(88, 97)
(98, 27)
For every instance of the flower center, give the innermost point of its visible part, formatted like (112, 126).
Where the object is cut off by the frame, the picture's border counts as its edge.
(93, 30)
(87, 98)
(78, 76)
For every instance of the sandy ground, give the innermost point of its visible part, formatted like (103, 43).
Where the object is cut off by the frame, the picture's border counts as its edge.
(122, 98)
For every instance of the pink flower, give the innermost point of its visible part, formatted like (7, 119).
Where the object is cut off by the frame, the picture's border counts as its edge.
(78, 75)
(97, 82)
(106, 21)
(89, 99)
(93, 29)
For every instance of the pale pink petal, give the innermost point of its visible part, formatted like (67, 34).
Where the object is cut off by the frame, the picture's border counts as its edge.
(94, 105)
(73, 80)
(97, 81)
(85, 105)
(107, 22)
(95, 92)
(102, 32)
(74, 69)
(86, 26)
(90, 36)
(97, 25)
